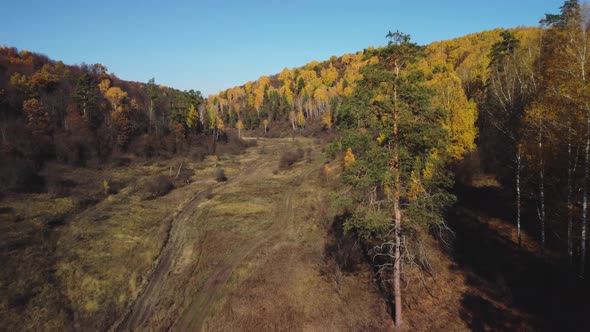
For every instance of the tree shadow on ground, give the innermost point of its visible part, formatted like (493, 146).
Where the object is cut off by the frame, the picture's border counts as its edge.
(513, 289)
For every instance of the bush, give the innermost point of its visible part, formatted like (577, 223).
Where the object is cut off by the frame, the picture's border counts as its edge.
(146, 146)
(60, 187)
(220, 175)
(199, 153)
(290, 157)
(74, 150)
(232, 145)
(119, 159)
(183, 177)
(20, 176)
(156, 187)
(332, 150)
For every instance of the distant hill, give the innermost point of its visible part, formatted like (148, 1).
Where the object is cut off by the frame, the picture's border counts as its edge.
(310, 95)
(77, 114)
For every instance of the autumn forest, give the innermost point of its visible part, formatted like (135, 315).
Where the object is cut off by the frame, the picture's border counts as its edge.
(406, 186)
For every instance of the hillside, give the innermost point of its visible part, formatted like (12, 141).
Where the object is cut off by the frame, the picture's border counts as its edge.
(83, 115)
(311, 94)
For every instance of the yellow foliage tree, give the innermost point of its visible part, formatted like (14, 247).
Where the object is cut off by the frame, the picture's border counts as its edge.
(286, 92)
(300, 119)
(192, 117)
(346, 58)
(327, 119)
(240, 126)
(308, 75)
(115, 95)
(329, 75)
(104, 86)
(349, 158)
(220, 125)
(285, 76)
(262, 83)
(461, 114)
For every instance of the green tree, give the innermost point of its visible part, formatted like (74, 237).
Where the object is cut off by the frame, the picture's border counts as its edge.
(153, 93)
(86, 95)
(192, 117)
(398, 143)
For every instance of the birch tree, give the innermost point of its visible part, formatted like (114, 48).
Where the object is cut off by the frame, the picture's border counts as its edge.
(566, 63)
(510, 87)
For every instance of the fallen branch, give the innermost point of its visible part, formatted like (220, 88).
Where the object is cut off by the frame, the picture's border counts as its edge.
(179, 168)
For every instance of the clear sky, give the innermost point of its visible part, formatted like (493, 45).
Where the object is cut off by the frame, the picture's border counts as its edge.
(212, 45)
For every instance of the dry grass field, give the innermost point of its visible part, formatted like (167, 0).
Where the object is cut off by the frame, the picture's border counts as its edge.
(138, 247)
(105, 249)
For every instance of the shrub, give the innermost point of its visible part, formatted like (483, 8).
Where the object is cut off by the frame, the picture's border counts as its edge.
(146, 146)
(156, 187)
(183, 177)
(232, 145)
(331, 150)
(325, 173)
(20, 176)
(220, 175)
(199, 153)
(60, 187)
(105, 186)
(290, 157)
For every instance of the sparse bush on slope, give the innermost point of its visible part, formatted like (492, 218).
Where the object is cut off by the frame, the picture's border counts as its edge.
(291, 157)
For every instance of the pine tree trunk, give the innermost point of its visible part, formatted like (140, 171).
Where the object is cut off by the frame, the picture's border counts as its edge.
(151, 115)
(518, 205)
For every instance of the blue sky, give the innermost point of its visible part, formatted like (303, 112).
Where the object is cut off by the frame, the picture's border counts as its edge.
(212, 45)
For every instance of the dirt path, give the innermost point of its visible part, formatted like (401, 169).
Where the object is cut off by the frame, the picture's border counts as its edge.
(194, 317)
(183, 286)
(144, 304)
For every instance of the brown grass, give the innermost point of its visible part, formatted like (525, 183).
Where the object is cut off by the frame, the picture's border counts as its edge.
(74, 258)
(285, 285)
